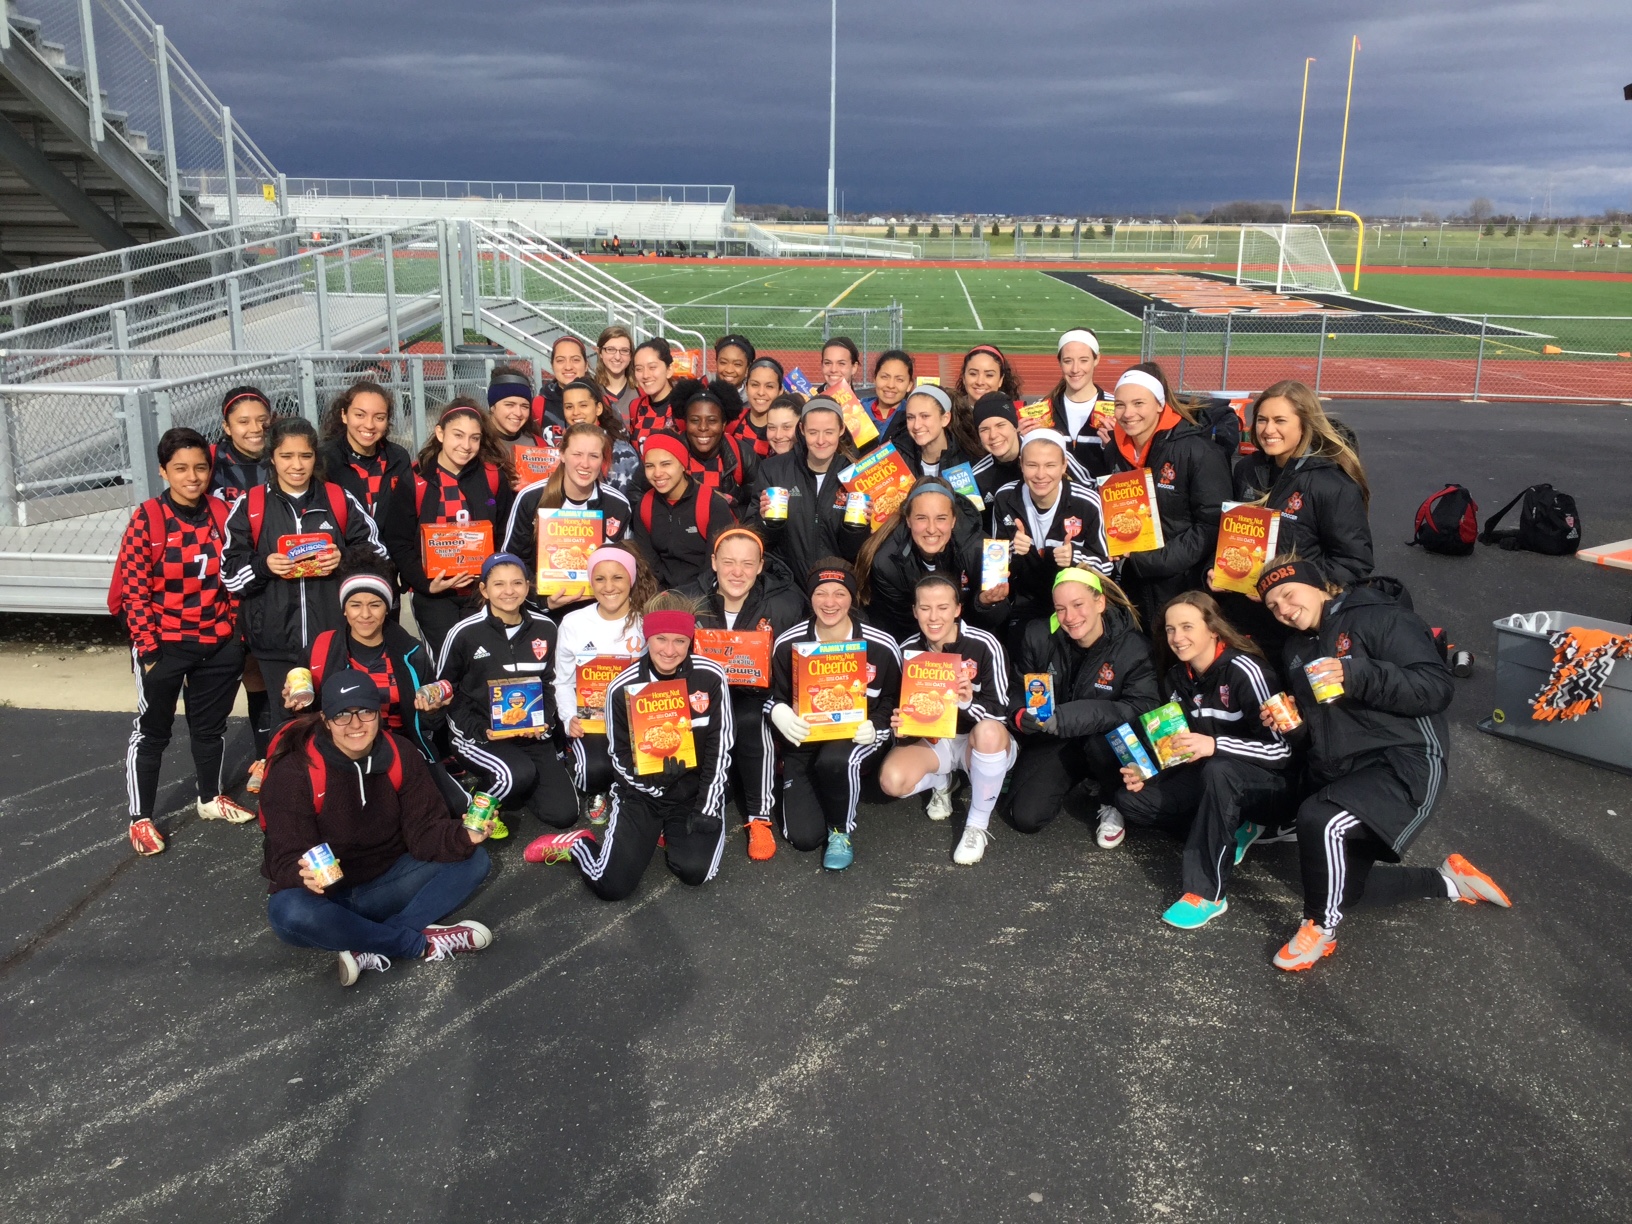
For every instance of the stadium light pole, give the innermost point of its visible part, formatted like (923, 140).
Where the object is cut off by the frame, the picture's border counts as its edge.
(1297, 163)
(832, 115)
(1343, 151)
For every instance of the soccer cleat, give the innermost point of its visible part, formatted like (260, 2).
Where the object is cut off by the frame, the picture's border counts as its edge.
(1191, 911)
(839, 853)
(1245, 835)
(145, 837)
(554, 847)
(1472, 884)
(441, 942)
(1271, 837)
(599, 811)
(1305, 949)
(1111, 829)
(761, 840)
(352, 964)
(223, 808)
(971, 846)
(940, 803)
(257, 774)
(499, 830)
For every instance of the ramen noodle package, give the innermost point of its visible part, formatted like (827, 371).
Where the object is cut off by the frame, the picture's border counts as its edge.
(1128, 501)
(961, 476)
(1161, 725)
(929, 694)
(830, 688)
(660, 725)
(1042, 412)
(452, 549)
(565, 540)
(535, 463)
(994, 564)
(1246, 538)
(1039, 695)
(744, 653)
(515, 707)
(1103, 415)
(303, 551)
(1125, 743)
(856, 417)
(688, 363)
(592, 679)
(884, 476)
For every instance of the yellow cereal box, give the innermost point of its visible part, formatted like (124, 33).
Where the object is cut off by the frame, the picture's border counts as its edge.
(565, 540)
(1246, 538)
(856, 417)
(1132, 523)
(884, 476)
(830, 688)
(660, 725)
(592, 679)
(929, 694)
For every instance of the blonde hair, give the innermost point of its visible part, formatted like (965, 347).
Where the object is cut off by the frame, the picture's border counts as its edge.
(1320, 436)
(1117, 597)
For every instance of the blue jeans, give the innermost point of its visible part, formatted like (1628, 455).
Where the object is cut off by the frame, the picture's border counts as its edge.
(388, 914)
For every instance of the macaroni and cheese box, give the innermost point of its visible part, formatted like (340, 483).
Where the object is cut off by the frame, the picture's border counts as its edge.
(830, 688)
(534, 463)
(884, 476)
(451, 549)
(1132, 523)
(1039, 694)
(1125, 743)
(929, 694)
(593, 677)
(565, 540)
(744, 653)
(515, 707)
(660, 725)
(961, 476)
(994, 564)
(856, 417)
(304, 550)
(1246, 539)
(1161, 725)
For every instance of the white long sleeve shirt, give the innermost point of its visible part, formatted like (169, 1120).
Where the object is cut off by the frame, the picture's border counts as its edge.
(582, 634)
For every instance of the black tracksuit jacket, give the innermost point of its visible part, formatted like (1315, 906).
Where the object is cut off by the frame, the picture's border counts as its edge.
(479, 649)
(232, 475)
(672, 546)
(991, 672)
(521, 528)
(1224, 700)
(1096, 689)
(1086, 448)
(1323, 513)
(883, 671)
(815, 526)
(1031, 577)
(712, 730)
(401, 527)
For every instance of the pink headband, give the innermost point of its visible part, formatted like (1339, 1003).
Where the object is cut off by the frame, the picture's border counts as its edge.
(619, 555)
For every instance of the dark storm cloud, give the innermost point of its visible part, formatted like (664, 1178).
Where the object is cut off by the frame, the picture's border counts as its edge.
(1046, 105)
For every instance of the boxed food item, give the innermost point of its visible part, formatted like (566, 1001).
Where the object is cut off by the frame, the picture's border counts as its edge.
(856, 417)
(660, 725)
(1039, 695)
(1132, 522)
(1246, 539)
(516, 707)
(303, 550)
(744, 653)
(795, 380)
(961, 476)
(994, 564)
(535, 463)
(593, 677)
(830, 687)
(452, 549)
(1161, 725)
(929, 694)
(1125, 743)
(565, 540)
(688, 363)
(884, 476)
(927, 380)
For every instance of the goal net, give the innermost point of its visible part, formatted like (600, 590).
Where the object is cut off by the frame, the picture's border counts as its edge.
(1287, 257)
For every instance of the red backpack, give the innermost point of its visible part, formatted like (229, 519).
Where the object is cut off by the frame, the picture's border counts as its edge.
(155, 544)
(421, 485)
(705, 498)
(1447, 522)
(339, 506)
(317, 769)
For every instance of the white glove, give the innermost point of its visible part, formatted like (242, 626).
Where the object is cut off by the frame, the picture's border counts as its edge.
(794, 729)
(866, 733)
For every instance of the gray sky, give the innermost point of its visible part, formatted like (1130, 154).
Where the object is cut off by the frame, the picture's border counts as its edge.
(1035, 105)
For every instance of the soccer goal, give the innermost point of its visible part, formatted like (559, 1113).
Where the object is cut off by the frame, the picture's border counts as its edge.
(1288, 257)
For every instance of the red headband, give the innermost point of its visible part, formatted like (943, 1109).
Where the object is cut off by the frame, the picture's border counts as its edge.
(240, 398)
(454, 410)
(667, 442)
(985, 348)
(654, 623)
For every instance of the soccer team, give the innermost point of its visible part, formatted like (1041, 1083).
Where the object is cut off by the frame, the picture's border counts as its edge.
(279, 556)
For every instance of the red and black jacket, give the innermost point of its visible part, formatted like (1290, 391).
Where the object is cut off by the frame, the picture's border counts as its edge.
(168, 576)
(231, 474)
(647, 414)
(371, 479)
(435, 499)
(400, 669)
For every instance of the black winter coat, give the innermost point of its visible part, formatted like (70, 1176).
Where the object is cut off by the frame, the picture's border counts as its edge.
(898, 565)
(815, 526)
(983, 654)
(1031, 576)
(673, 546)
(390, 465)
(1323, 512)
(1086, 448)
(1096, 689)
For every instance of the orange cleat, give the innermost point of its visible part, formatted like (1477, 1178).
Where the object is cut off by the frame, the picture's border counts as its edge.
(761, 840)
(1305, 949)
(145, 837)
(1473, 885)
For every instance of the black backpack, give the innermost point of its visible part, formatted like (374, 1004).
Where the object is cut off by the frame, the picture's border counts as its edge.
(1217, 420)
(1448, 522)
(1548, 523)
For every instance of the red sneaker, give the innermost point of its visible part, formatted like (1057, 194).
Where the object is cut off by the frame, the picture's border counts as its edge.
(761, 840)
(1473, 885)
(554, 847)
(441, 942)
(145, 837)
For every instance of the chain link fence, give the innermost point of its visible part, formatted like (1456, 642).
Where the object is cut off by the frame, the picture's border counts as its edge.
(1398, 354)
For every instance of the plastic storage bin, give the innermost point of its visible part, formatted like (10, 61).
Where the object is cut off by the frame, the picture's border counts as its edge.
(1524, 660)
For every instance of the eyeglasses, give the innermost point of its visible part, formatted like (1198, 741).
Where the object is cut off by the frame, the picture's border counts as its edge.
(615, 351)
(346, 717)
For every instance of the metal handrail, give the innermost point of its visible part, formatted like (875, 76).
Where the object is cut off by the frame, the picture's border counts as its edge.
(314, 187)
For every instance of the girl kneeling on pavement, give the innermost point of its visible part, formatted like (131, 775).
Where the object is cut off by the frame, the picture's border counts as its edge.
(982, 745)
(1103, 675)
(1372, 690)
(659, 795)
(821, 782)
(1238, 762)
(338, 780)
(507, 641)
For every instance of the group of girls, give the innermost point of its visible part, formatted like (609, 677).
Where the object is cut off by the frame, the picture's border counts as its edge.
(690, 540)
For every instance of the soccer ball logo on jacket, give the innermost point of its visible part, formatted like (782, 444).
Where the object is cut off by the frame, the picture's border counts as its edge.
(1106, 677)
(1168, 475)
(1294, 503)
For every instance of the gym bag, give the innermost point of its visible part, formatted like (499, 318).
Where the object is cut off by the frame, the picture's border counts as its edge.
(1548, 523)
(1447, 522)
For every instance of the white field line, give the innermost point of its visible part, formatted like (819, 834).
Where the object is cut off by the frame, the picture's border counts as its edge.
(979, 326)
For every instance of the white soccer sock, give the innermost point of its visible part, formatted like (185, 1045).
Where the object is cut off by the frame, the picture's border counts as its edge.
(986, 772)
(1451, 890)
(931, 781)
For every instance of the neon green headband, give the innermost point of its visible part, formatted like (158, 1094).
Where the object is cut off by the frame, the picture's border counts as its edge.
(1075, 574)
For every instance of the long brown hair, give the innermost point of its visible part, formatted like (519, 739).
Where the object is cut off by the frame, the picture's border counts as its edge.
(601, 374)
(960, 425)
(1213, 617)
(1320, 437)
(493, 448)
(334, 427)
(555, 488)
(1187, 406)
(887, 529)
(1116, 597)
(1011, 386)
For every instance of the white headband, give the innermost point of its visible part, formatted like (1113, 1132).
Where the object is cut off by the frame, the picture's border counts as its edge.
(372, 583)
(1148, 381)
(1079, 335)
(1046, 435)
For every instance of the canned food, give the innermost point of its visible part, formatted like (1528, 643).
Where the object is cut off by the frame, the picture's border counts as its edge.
(1325, 679)
(1284, 711)
(481, 813)
(857, 509)
(437, 692)
(300, 682)
(320, 861)
(776, 504)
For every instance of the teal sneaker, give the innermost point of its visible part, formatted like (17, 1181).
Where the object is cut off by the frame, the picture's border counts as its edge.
(838, 854)
(1190, 911)
(1244, 837)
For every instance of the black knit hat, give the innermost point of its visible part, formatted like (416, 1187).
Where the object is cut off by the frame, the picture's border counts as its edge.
(995, 404)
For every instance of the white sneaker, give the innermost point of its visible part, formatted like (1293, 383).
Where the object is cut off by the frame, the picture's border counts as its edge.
(352, 965)
(223, 808)
(1111, 830)
(940, 803)
(971, 846)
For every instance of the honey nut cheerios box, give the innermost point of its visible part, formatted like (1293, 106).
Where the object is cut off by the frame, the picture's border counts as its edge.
(856, 417)
(590, 684)
(565, 540)
(884, 476)
(1132, 522)
(1246, 539)
(929, 694)
(660, 725)
(830, 688)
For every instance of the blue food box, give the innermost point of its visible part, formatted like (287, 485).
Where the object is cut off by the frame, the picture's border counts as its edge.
(795, 380)
(515, 707)
(1125, 743)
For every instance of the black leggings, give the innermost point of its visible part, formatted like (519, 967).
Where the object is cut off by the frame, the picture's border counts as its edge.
(209, 677)
(753, 758)
(1049, 768)
(1339, 857)
(523, 772)
(821, 785)
(693, 842)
